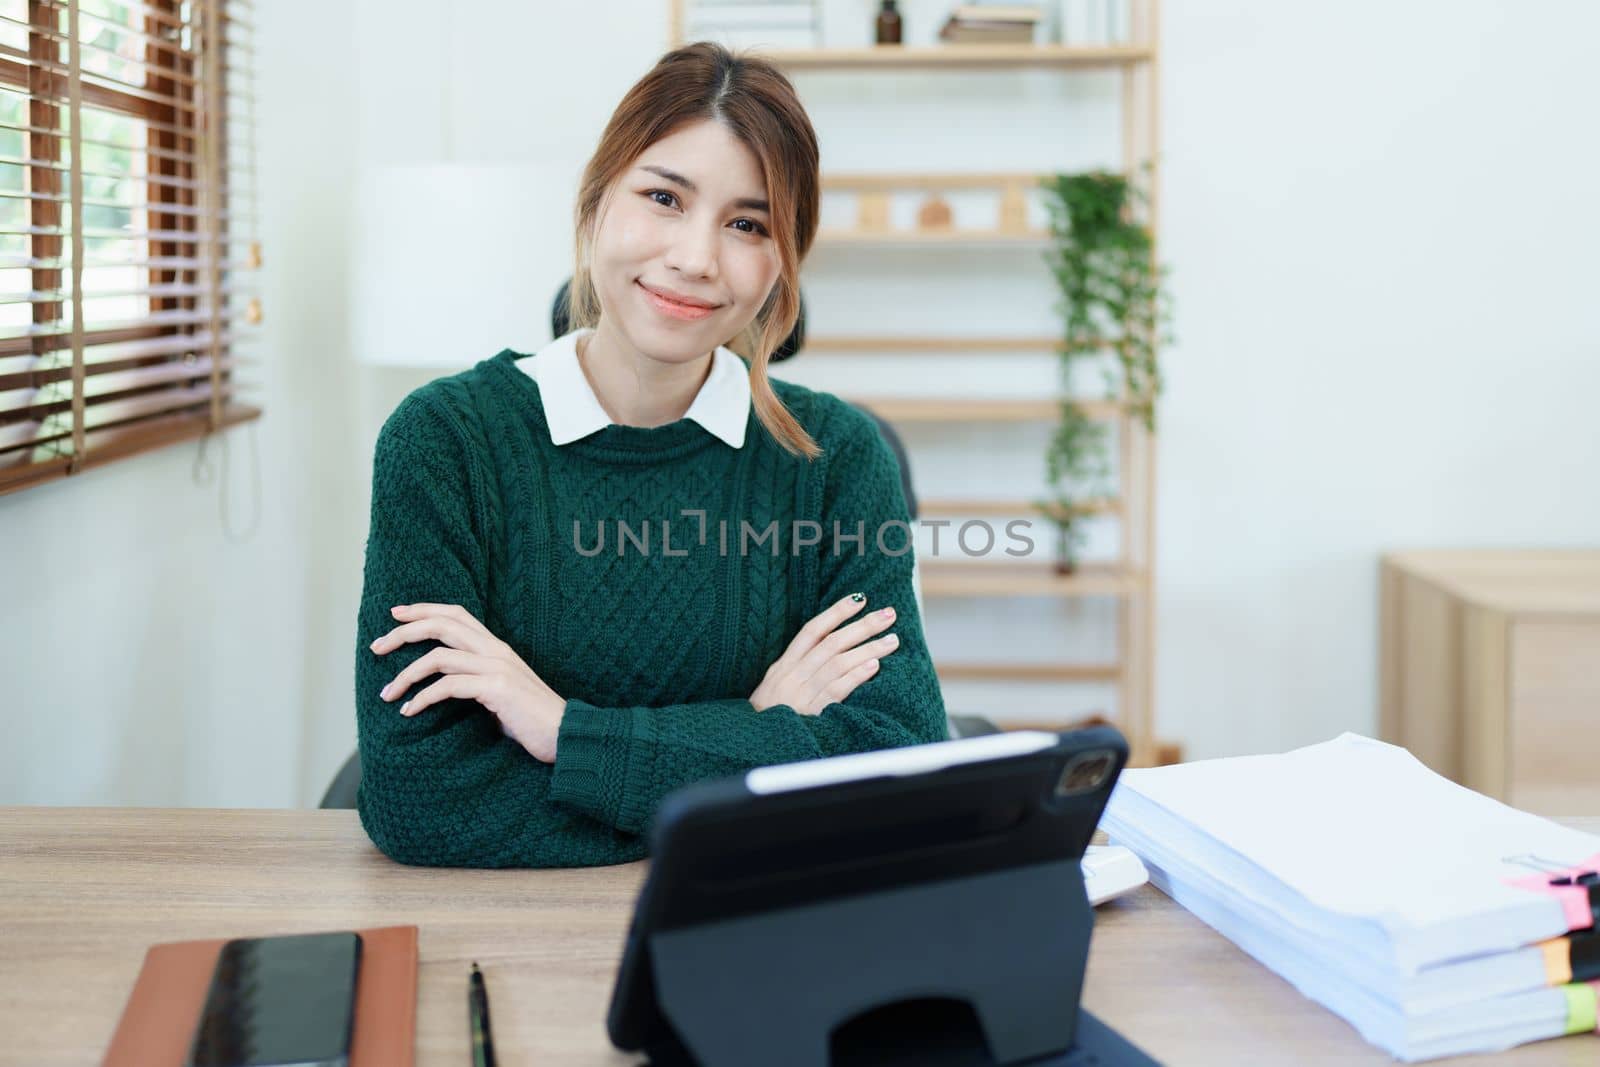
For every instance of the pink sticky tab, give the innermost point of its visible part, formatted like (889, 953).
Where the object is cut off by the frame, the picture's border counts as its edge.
(1574, 899)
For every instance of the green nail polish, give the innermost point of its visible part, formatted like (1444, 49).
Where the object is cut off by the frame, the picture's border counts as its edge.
(858, 597)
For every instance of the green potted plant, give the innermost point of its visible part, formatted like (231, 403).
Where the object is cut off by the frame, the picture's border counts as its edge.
(1078, 473)
(1112, 298)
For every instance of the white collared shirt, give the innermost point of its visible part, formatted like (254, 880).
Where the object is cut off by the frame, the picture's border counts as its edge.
(572, 410)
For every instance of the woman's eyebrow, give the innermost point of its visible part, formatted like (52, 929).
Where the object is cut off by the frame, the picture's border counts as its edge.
(748, 203)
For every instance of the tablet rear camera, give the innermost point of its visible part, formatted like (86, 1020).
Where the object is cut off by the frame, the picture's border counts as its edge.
(1085, 773)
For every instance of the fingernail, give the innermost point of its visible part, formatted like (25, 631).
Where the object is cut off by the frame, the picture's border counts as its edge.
(887, 613)
(893, 639)
(384, 692)
(858, 597)
(403, 708)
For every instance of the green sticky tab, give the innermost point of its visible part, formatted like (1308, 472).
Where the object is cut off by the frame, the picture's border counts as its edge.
(1580, 1007)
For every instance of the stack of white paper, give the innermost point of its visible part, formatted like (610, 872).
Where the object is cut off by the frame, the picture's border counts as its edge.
(1375, 886)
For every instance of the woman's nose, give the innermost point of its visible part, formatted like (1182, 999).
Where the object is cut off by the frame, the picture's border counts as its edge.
(694, 251)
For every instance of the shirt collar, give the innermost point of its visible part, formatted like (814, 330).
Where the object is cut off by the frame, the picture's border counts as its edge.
(572, 410)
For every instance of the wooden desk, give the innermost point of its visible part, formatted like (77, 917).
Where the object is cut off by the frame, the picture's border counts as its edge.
(83, 892)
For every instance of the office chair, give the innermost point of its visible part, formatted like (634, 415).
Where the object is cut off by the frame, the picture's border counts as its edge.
(342, 790)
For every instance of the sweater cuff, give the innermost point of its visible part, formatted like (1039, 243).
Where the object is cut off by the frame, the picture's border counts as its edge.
(599, 757)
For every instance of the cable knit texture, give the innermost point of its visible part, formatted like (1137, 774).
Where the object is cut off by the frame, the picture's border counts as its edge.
(655, 642)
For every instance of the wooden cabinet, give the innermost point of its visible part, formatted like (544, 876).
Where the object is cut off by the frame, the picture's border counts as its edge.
(1490, 671)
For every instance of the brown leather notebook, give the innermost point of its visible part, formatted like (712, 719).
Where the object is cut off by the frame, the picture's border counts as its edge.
(159, 1019)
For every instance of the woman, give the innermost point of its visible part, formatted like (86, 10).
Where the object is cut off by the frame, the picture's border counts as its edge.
(533, 673)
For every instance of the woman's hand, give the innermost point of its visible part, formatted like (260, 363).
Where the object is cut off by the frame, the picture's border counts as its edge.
(476, 666)
(825, 663)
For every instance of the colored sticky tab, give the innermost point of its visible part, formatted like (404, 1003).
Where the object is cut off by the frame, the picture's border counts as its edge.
(1581, 1011)
(1577, 889)
(1557, 961)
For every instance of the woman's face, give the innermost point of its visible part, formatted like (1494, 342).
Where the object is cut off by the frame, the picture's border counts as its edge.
(688, 220)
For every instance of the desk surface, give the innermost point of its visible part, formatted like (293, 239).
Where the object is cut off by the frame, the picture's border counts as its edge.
(1520, 582)
(84, 891)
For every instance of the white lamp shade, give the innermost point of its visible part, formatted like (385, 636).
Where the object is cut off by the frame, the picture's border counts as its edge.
(454, 262)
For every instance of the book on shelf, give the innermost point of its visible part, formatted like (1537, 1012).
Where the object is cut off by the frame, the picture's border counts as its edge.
(1028, 13)
(955, 32)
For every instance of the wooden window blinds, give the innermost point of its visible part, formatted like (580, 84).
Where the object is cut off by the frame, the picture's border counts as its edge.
(127, 228)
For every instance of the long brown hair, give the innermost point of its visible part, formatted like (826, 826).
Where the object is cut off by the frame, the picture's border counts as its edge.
(759, 106)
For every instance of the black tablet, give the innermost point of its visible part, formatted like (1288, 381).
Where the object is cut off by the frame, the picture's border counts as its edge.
(844, 834)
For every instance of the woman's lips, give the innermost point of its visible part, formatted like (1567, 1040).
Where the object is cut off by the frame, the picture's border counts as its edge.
(671, 308)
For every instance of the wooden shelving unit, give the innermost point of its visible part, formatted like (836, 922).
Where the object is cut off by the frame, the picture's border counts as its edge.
(1000, 506)
(913, 239)
(873, 192)
(1129, 580)
(980, 409)
(958, 57)
(1013, 578)
(921, 346)
(1030, 672)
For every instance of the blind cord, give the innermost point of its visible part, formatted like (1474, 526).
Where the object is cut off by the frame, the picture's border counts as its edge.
(203, 473)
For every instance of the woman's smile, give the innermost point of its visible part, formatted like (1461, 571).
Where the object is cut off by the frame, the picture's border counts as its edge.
(672, 308)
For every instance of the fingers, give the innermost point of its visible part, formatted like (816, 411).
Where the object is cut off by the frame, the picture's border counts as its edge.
(451, 686)
(842, 686)
(843, 663)
(439, 661)
(448, 623)
(828, 658)
(846, 637)
(819, 627)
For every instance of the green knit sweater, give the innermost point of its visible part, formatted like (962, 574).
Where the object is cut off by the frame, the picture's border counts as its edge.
(655, 648)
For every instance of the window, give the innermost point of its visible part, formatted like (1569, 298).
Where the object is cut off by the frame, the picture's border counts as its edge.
(127, 227)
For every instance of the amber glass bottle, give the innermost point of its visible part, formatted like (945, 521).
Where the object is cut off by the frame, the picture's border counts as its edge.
(888, 23)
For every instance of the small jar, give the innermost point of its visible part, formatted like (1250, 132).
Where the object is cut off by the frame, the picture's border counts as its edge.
(889, 24)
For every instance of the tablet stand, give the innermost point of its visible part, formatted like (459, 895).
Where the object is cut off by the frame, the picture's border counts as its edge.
(993, 962)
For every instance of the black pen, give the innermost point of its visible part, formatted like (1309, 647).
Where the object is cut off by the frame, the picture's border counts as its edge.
(478, 1012)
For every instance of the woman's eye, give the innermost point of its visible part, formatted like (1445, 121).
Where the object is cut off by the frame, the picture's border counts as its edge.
(672, 199)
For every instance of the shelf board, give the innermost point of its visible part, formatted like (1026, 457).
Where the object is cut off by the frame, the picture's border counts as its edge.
(980, 409)
(885, 343)
(951, 578)
(867, 343)
(1028, 672)
(906, 57)
(924, 238)
(889, 181)
(938, 505)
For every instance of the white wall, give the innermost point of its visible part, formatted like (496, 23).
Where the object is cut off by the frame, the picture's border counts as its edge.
(1381, 224)
(149, 658)
(1384, 226)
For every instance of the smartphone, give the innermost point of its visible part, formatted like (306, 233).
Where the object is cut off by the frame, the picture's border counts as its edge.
(280, 1002)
